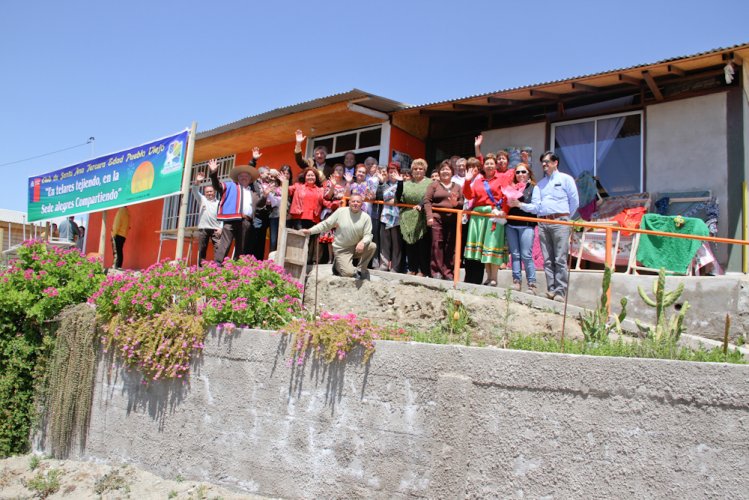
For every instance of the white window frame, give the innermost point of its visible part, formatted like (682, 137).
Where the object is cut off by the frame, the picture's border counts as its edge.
(595, 138)
(170, 212)
(383, 147)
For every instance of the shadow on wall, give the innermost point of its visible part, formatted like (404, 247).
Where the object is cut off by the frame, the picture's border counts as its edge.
(332, 375)
(157, 399)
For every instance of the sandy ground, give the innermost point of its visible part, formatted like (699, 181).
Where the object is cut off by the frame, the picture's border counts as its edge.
(421, 305)
(90, 480)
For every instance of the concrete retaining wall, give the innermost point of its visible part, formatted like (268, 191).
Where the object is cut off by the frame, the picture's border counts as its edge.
(432, 421)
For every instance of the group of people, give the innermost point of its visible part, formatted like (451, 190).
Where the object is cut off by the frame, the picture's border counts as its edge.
(395, 219)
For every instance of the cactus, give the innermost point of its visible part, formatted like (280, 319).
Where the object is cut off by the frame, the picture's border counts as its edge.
(595, 324)
(663, 331)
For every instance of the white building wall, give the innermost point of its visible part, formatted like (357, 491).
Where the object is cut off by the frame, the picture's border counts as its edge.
(686, 150)
(533, 135)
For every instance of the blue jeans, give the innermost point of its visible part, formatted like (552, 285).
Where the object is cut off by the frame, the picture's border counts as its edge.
(520, 241)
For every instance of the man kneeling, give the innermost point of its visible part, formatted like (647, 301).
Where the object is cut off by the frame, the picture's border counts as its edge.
(353, 238)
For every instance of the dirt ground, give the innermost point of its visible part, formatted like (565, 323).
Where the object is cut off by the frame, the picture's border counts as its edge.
(90, 480)
(422, 305)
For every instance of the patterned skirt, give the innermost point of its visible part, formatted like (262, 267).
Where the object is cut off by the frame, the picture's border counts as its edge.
(484, 243)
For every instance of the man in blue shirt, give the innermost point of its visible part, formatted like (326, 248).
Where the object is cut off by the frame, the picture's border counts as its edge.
(554, 198)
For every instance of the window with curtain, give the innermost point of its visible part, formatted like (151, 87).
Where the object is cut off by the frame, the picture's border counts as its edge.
(609, 147)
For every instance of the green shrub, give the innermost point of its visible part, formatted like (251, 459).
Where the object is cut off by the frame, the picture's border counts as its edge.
(43, 484)
(33, 290)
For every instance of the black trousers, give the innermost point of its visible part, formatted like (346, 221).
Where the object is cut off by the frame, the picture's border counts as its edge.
(260, 227)
(419, 254)
(237, 231)
(204, 236)
(118, 246)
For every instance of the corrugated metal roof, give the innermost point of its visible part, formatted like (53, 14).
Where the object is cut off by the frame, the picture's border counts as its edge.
(362, 98)
(591, 75)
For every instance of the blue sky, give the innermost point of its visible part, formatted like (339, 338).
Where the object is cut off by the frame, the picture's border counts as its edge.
(129, 72)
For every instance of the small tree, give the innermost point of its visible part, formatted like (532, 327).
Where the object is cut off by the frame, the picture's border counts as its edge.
(595, 324)
(663, 331)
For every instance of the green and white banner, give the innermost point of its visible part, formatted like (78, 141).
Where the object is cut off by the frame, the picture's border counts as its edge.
(146, 172)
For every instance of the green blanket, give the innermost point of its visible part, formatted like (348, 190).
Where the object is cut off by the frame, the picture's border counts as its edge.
(673, 254)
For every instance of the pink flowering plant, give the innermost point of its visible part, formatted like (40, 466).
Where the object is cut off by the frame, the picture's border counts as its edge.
(43, 280)
(156, 318)
(331, 337)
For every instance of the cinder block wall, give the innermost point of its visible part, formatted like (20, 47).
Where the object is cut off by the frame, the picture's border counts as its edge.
(432, 421)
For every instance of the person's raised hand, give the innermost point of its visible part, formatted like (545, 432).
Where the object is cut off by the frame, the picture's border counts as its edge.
(478, 140)
(471, 173)
(348, 177)
(256, 154)
(213, 165)
(200, 177)
(299, 136)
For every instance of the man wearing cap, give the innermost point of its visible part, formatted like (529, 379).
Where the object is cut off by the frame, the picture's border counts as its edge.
(353, 238)
(554, 198)
(237, 206)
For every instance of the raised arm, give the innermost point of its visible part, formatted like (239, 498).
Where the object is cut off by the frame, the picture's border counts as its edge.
(213, 174)
(299, 136)
(477, 145)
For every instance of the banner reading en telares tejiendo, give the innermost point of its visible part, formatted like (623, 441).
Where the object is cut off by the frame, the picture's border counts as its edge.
(147, 172)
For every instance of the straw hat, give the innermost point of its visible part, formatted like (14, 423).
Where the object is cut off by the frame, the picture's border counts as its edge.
(234, 174)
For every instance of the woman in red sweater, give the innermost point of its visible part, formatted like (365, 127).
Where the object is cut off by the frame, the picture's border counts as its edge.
(307, 200)
(486, 237)
(443, 193)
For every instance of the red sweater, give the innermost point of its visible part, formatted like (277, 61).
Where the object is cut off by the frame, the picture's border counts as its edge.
(306, 202)
(475, 190)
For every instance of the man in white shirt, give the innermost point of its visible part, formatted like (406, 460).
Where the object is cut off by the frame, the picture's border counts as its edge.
(209, 227)
(554, 198)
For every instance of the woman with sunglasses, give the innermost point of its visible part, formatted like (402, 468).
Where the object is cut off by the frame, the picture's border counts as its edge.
(520, 234)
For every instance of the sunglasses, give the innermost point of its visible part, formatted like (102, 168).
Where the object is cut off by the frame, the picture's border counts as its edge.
(521, 171)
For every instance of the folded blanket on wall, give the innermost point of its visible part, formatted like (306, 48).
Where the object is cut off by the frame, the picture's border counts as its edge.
(673, 254)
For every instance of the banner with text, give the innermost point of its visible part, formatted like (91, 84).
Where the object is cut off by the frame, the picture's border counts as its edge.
(147, 172)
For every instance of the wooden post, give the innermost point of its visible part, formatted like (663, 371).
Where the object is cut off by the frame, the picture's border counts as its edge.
(281, 240)
(744, 228)
(103, 234)
(458, 244)
(609, 264)
(186, 175)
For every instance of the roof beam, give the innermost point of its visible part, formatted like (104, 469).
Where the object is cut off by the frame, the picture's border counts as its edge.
(584, 87)
(503, 102)
(543, 94)
(674, 70)
(652, 85)
(629, 79)
(732, 56)
(439, 112)
(473, 107)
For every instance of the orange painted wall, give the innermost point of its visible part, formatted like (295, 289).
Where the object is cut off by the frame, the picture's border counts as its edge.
(406, 143)
(273, 156)
(142, 244)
